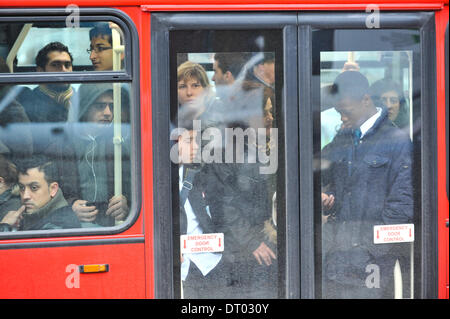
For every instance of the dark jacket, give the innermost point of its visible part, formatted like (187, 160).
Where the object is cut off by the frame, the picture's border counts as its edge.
(372, 185)
(54, 215)
(8, 202)
(42, 108)
(239, 202)
(14, 139)
(197, 200)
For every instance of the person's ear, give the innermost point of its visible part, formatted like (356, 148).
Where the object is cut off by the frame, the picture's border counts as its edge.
(53, 189)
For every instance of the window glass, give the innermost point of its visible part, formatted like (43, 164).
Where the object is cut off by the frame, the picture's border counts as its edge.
(367, 89)
(226, 100)
(90, 46)
(64, 156)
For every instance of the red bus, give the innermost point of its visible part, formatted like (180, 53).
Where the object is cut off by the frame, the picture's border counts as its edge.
(119, 176)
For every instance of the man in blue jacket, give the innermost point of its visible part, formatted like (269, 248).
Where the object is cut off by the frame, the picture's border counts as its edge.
(369, 174)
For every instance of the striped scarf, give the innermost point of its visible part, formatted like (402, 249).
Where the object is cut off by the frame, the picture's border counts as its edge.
(62, 97)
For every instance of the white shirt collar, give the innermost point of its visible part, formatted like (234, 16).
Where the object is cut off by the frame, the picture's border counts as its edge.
(367, 125)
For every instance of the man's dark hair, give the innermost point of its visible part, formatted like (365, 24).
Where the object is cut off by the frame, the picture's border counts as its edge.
(42, 163)
(101, 30)
(42, 56)
(8, 171)
(349, 84)
(231, 61)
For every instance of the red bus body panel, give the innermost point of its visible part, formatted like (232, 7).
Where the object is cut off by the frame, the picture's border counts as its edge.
(50, 272)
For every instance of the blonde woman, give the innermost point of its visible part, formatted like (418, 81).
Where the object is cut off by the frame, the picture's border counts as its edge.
(196, 99)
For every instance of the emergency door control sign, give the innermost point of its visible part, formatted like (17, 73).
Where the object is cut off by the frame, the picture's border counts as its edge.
(388, 234)
(201, 243)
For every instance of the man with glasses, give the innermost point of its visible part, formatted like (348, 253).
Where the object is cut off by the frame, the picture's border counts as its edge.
(100, 51)
(50, 102)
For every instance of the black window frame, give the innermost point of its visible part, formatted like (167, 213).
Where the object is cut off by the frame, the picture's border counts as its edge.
(425, 23)
(300, 272)
(129, 75)
(166, 248)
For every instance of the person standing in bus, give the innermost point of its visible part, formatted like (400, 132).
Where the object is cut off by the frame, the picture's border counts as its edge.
(196, 99)
(50, 102)
(388, 93)
(86, 159)
(203, 274)
(227, 67)
(369, 175)
(43, 203)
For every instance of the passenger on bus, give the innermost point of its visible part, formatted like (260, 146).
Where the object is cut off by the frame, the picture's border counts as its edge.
(369, 175)
(86, 159)
(9, 193)
(204, 274)
(43, 203)
(50, 102)
(247, 196)
(101, 50)
(196, 98)
(388, 93)
(227, 68)
(15, 137)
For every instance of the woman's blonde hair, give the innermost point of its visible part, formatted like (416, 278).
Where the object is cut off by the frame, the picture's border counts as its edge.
(188, 70)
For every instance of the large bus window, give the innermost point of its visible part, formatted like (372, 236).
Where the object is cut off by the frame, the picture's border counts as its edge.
(90, 46)
(226, 100)
(367, 87)
(80, 168)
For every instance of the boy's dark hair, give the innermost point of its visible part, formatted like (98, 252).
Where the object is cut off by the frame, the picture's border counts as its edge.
(349, 84)
(231, 61)
(42, 163)
(101, 30)
(42, 58)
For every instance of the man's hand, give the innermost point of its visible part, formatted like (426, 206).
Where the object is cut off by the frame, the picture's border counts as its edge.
(83, 212)
(118, 207)
(14, 217)
(264, 253)
(327, 201)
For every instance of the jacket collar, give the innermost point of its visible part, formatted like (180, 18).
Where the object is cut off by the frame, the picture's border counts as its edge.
(55, 203)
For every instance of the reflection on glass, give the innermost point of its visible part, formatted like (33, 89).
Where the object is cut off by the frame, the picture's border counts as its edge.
(366, 175)
(226, 148)
(97, 46)
(72, 171)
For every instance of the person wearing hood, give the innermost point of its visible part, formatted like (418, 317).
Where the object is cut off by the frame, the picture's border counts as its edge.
(87, 159)
(43, 203)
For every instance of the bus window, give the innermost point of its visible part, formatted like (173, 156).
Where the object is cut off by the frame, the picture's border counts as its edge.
(91, 46)
(83, 164)
(368, 91)
(225, 116)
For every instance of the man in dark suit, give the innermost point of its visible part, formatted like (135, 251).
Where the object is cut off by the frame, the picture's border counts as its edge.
(369, 174)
